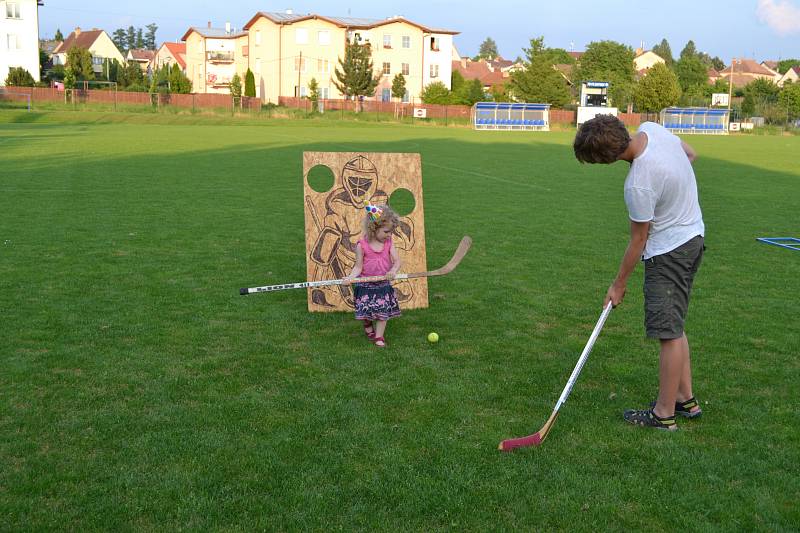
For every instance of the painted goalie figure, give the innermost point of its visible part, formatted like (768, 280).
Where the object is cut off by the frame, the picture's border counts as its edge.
(334, 250)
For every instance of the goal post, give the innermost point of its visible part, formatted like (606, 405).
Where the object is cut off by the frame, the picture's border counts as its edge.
(10, 99)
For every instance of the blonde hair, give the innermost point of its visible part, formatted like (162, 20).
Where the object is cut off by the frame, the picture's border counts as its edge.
(369, 227)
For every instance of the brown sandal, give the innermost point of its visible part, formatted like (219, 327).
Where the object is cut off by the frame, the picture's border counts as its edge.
(379, 342)
(370, 334)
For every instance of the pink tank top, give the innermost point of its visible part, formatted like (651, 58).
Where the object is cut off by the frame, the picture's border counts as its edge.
(376, 263)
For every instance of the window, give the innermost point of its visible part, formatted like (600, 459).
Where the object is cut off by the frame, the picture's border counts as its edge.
(434, 71)
(97, 60)
(434, 44)
(301, 36)
(406, 41)
(324, 37)
(12, 42)
(325, 93)
(258, 37)
(303, 92)
(299, 64)
(323, 66)
(404, 69)
(387, 41)
(387, 69)
(406, 97)
(386, 95)
(12, 10)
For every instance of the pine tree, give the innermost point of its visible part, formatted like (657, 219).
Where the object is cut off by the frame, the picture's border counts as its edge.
(150, 36)
(664, 51)
(250, 83)
(313, 94)
(356, 79)
(59, 36)
(488, 49)
(130, 38)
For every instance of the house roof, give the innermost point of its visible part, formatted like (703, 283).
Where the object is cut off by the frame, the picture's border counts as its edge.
(141, 54)
(770, 64)
(342, 22)
(79, 38)
(178, 51)
(748, 66)
(479, 70)
(576, 55)
(739, 80)
(213, 33)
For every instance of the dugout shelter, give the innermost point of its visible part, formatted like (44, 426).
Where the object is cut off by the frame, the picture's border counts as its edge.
(511, 116)
(700, 120)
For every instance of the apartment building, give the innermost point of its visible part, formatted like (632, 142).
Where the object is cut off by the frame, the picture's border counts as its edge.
(213, 56)
(286, 50)
(19, 37)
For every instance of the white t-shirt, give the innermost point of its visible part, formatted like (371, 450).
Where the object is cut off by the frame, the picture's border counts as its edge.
(661, 188)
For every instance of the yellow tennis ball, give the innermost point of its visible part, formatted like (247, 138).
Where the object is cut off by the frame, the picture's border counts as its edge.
(433, 337)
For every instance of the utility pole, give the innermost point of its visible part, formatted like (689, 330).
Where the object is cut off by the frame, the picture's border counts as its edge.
(730, 87)
(299, 70)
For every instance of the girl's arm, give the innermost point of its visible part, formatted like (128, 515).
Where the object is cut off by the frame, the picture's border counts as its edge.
(395, 261)
(357, 267)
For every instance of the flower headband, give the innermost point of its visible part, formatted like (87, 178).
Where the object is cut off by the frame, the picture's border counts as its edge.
(374, 212)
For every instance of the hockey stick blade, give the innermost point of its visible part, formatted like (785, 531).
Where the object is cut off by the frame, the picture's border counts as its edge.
(531, 440)
(458, 255)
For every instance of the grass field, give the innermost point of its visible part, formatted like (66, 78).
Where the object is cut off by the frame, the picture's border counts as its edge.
(139, 391)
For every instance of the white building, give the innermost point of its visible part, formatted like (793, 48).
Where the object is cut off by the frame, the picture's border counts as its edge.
(19, 37)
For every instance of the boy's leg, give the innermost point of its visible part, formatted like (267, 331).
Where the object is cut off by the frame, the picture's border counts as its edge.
(673, 364)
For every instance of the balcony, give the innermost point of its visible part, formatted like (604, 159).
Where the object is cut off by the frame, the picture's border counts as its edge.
(219, 57)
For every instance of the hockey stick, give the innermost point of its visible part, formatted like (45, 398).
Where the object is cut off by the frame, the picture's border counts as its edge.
(461, 251)
(537, 438)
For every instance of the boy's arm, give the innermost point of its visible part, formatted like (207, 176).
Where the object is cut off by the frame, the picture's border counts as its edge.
(633, 254)
(356, 268)
(690, 153)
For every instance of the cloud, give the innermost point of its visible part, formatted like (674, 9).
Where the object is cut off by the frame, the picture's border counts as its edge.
(780, 15)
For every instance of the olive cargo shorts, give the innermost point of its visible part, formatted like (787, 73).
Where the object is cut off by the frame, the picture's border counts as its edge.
(668, 282)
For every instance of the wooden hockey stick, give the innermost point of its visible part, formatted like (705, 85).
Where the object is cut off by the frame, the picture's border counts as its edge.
(537, 438)
(461, 251)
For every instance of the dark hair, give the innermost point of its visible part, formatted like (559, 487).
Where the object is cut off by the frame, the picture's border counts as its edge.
(601, 140)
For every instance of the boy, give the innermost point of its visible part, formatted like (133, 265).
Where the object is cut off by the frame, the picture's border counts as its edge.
(667, 234)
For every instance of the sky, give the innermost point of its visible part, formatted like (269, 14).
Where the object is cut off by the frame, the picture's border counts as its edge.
(758, 29)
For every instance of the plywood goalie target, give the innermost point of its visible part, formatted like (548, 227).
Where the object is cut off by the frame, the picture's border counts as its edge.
(334, 212)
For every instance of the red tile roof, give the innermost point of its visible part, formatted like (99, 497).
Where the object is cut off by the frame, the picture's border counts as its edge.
(748, 66)
(479, 70)
(84, 39)
(142, 54)
(178, 51)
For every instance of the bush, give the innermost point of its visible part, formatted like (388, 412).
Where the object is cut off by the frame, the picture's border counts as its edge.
(19, 77)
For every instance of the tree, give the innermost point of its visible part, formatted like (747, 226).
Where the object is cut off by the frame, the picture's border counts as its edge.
(139, 39)
(690, 50)
(500, 93)
(150, 36)
(474, 92)
(19, 77)
(178, 82)
(759, 93)
(435, 93)
(69, 78)
(399, 86)
(612, 62)
(664, 51)
(790, 99)
(313, 94)
(81, 62)
(785, 64)
(59, 36)
(130, 38)
(236, 86)
(692, 73)
(250, 83)
(656, 90)
(120, 39)
(539, 81)
(488, 49)
(356, 78)
(159, 83)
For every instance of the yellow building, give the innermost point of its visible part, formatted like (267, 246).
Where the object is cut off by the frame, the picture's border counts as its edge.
(213, 56)
(100, 46)
(285, 51)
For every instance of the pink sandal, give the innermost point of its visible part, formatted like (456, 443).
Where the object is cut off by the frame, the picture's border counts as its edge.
(370, 334)
(379, 342)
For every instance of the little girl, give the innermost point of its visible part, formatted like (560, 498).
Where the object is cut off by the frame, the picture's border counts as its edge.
(376, 302)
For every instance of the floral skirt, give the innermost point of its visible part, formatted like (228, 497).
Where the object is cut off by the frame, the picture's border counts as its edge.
(375, 301)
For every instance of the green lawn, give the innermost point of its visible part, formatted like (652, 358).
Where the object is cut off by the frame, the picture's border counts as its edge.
(139, 391)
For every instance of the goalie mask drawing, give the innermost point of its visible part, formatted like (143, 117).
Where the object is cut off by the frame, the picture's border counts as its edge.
(333, 218)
